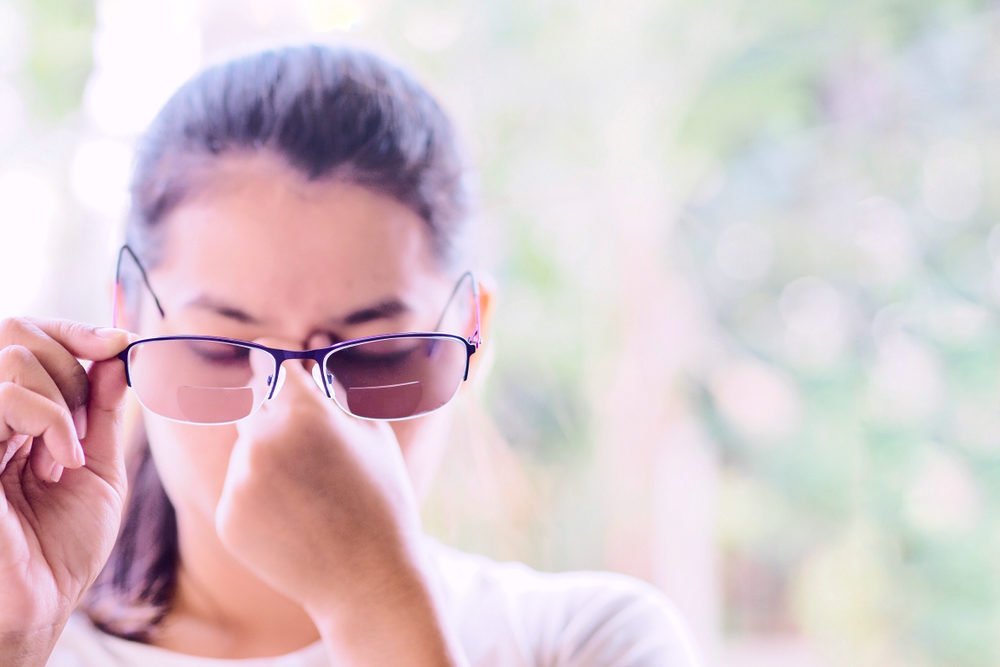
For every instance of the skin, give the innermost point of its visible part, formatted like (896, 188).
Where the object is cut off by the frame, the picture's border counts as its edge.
(299, 523)
(55, 537)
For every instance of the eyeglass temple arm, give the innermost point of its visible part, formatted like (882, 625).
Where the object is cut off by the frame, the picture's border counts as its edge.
(475, 338)
(145, 279)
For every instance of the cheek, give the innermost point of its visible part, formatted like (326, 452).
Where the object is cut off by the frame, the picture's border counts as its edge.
(192, 462)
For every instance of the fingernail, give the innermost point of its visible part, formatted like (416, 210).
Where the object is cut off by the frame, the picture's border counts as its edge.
(56, 473)
(78, 456)
(80, 421)
(110, 333)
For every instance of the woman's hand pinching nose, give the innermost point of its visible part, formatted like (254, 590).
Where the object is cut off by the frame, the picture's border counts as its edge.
(315, 495)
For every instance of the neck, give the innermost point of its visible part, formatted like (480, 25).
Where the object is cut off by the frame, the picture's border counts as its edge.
(221, 609)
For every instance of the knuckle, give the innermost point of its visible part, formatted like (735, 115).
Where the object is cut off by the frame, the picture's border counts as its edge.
(11, 393)
(261, 455)
(15, 357)
(11, 328)
(74, 329)
(7, 391)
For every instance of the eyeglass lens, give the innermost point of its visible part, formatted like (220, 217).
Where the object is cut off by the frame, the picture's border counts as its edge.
(198, 381)
(396, 378)
(216, 382)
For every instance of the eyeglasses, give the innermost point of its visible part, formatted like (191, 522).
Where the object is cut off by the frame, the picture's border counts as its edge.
(213, 380)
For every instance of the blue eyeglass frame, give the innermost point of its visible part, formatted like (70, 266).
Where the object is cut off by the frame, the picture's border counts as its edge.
(319, 355)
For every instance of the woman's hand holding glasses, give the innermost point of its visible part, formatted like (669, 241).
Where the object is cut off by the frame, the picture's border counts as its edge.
(62, 477)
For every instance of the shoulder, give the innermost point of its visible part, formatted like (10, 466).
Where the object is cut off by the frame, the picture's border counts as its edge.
(570, 618)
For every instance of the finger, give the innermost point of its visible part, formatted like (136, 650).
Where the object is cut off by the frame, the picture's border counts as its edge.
(105, 413)
(264, 373)
(297, 403)
(298, 380)
(11, 447)
(20, 366)
(24, 412)
(44, 465)
(296, 390)
(263, 367)
(83, 341)
(57, 344)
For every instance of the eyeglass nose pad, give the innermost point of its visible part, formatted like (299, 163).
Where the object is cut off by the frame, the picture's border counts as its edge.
(317, 373)
(281, 381)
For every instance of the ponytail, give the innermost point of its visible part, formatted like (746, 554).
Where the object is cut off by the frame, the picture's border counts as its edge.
(133, 592)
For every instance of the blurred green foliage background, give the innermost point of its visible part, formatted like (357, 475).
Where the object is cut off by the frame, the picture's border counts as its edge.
(747, 260)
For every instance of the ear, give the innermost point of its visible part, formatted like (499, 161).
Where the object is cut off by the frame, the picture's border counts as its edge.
(120, 317)
(487, 298)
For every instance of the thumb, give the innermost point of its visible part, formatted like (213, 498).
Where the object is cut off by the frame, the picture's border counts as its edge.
(103, 446)
(289, 386)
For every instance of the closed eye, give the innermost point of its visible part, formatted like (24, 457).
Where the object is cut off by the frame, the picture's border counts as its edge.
(219, 353)
(362, 354)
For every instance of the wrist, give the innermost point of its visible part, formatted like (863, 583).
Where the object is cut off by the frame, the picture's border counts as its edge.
(30, 648)
(392, 572)
(396, 621)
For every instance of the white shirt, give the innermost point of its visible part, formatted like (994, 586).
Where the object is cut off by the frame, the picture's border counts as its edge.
(506, 614)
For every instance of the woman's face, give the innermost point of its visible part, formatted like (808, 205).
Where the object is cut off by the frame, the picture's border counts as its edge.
(259, 252)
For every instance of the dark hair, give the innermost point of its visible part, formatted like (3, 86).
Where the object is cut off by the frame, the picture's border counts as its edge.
(330, 113)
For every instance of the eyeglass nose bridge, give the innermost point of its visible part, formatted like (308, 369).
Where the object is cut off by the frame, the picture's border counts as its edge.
(277, 379)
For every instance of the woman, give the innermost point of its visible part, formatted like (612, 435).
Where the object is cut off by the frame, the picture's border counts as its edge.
(284, 206)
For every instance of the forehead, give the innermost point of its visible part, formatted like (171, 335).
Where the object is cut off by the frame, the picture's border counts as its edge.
(255, 229)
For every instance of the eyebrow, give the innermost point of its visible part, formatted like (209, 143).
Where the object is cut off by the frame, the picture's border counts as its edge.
(386, 309)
